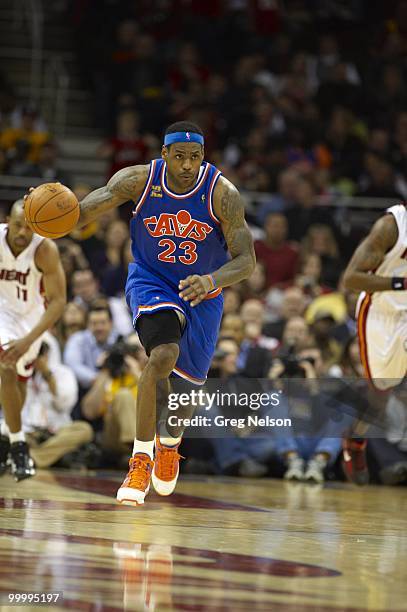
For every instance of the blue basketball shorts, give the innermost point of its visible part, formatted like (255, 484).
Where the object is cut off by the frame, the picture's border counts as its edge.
(146, 294)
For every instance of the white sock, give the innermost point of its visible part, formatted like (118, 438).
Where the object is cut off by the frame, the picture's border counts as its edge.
(17, 437)
(4, 430)
(144, 447)
(166, 438)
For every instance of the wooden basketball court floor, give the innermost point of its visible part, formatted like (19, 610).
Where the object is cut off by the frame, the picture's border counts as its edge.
(216, 544)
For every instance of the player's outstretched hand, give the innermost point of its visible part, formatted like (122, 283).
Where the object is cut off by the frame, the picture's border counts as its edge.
(13, 350)
(194, 288)
(27, 194)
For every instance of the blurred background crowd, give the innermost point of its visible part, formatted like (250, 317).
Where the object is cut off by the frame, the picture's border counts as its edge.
(301, 103)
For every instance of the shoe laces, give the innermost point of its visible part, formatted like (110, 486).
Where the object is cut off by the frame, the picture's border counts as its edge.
(140, 468)
(168, 458)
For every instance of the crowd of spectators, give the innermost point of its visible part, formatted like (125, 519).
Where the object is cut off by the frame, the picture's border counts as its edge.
(315, 87)
(296, 105)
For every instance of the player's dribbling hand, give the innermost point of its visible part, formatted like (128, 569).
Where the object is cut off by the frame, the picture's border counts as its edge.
(13, 350)
(27, 194)
(194, 288)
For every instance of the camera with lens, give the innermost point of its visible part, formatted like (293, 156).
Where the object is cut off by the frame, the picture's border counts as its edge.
(291, 362)
(115, 362)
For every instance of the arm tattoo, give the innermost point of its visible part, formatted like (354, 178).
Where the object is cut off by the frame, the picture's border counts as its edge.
(125, 185)
(237, 235)
(127, 182)
(236, 232)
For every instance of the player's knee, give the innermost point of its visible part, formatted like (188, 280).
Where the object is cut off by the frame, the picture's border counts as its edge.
(163, 359)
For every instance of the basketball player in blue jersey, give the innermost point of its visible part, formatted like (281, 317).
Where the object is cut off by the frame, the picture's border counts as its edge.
(189, 240)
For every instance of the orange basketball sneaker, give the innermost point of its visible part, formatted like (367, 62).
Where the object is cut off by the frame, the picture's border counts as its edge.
(166, 467)
(136, 485)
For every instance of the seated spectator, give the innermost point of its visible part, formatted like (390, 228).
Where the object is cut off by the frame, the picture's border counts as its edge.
(18, 163)
(122, 55)
(255, 351)
(280, 258)
(224, 363)
(51, 395)
(113, 395)
(85, 350)
(328, 56)
(322, 329)
(235, 455)
(380, 180)
(293, 304)
(379, 140)
(128, 147)
(73, 320)
(296, 334)
(85, 290)
(339, 88)
(232, 327)
(85, 287)
(287, 183)
(90, 237)
(252, 311)
(72, 259)
(305, 211)
(112, 266)
(350, 364)
(231, 301)
(320, 239)
(333, 302)
(255, 286)
(47, 165)
(26, 133)
(309, 276)
(17, 114)
(314, 442)
(346, 329)
(390, 94)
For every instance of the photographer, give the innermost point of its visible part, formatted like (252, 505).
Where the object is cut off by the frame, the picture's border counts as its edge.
(84, 349)
(316, 442)
(237, 453)
(51, 395)
(113, 394)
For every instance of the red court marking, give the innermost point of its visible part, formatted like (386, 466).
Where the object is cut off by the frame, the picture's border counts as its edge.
(105, 486)
(49, 504)
(232, 562)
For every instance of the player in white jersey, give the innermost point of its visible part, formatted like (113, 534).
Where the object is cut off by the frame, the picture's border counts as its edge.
(30, 273)
(378, 269)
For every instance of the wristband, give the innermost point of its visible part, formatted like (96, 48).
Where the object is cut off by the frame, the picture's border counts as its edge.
(399, 283)
(213, 282)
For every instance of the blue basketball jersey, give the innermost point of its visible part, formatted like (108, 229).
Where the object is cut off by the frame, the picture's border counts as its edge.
(175, 235)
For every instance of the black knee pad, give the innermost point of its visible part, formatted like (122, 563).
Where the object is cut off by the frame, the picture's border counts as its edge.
(163, 327)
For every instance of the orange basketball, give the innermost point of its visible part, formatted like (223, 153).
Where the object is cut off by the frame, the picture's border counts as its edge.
(51, 210)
